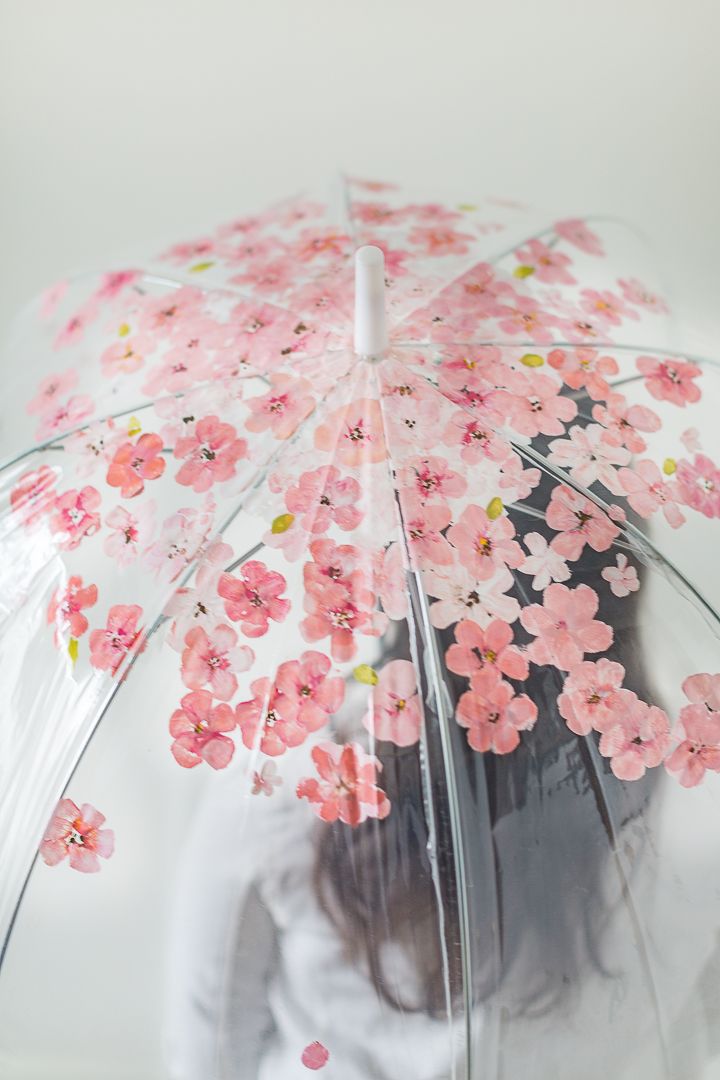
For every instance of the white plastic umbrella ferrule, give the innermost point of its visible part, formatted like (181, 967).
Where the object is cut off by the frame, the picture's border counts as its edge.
(371, 338)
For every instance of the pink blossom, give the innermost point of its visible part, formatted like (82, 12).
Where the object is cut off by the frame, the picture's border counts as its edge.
(113, 282)
(460, 596)
(579, 521)
(584, 368)
(537, 407)
(484, 545)
(430, 479)
(67, 605)
(606, 306)
(590, 695)
(163, 314)
(548, 264)
(347, 789)
(353, 433)
(411, 412)
(622, 422)
(127, 355)
(476, 649)
(493, 714)
(477, 441)
(435, 240)
(175, 372)
(311, 692)
(50, 389)
(698, 484)
(389, 581)
(648, 491)
(338, 599)
(323, 496)
(670, 380)
(60, 418)
(74, 328)
(198, 730)
(130, 532)
(690, 439)
(315, 1056)
(213, 659)
(211, 452)
(699, 748)
(564, 626)
(284, 406)
(637, 739)
(75, 516)
(423, 524)
(576, 232)
(544, 562)
(266, 779)
(623, 578)
(268, 720)
(636, 293)
(589, 456)
(182, 537)
(134, 463)
(51, 298)
(121, 635)
(703, 689)
(516, 482)
(76, 833)
(33, 495)
(94, 444)
(525, 316)
(395, 714)
(472, 385)
(199, 605)
(253, 598)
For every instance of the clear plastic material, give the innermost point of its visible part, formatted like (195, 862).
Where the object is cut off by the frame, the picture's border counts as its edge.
(361, 717)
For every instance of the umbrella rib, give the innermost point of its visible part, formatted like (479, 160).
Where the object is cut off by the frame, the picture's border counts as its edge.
(624, 346)
(643, 544)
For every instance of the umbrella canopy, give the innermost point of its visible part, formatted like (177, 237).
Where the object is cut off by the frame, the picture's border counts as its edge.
(359, 657)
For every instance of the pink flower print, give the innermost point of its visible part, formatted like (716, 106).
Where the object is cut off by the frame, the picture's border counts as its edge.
(162, 314)
(201, 605)
(394, 712)
(212, 659)
(182, 537)
(584, 368)
(61, 417)
(312, 694)
(648, 491)
(461, 596)
(492, 714)
(176, 371)
(198, 730)
(524, 316)
(130, 532)
(321, 243)
(75, 327)
(34, 494)
(537, 407)
(622, 422)
(484, 545)
(125, 356)
(434, 241)
(430, 479)
(590, 696)
(564, 626)
(134, 463)
(253, 599)
(576, 232)
(51, 389)
(637, 739)
(75, 516)
(690, 439)
(423, 525)
(548, 264)
(476, 440)
(315, 1056)
(51, 298)
(67, 605)
(282, 408)
(76, 833)
(516, 482)
(353, 433)
(211, 453)
(544, 562)
(703, 689)
(623, 578)
(338, 610)
(589, 456)
(699, 748)
(412, 414)
(269, 720)
(636, 293)
(266, 779)
(670, 380)
(114, 282)
(481, 290)
(698, 485)
(121, 635)
(389, 581)
(475, 649)
(579, 521)
(322, 496)
(605, 306)
(94, 444)
(347, 789)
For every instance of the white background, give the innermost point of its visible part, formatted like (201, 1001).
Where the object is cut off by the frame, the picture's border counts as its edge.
(129, 124)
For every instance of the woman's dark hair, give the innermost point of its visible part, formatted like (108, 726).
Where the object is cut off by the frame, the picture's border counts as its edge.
(506, 883)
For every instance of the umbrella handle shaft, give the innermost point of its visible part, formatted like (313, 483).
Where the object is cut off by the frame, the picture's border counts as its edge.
(370, 320)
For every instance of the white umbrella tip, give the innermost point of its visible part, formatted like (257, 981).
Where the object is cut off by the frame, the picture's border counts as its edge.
(370, 322)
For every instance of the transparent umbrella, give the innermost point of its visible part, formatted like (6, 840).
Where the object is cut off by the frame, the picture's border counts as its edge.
(358, 642)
